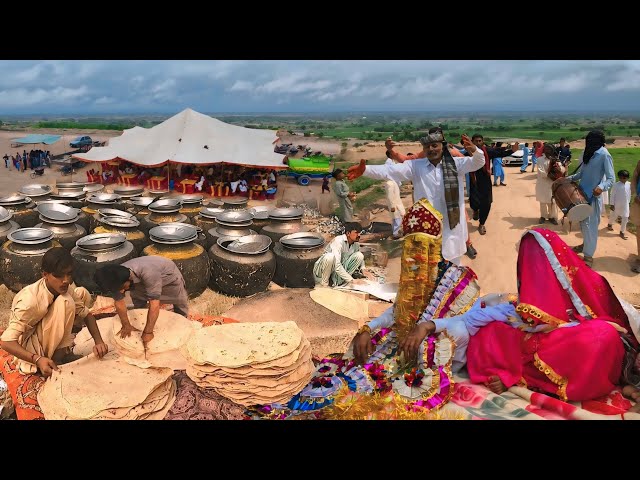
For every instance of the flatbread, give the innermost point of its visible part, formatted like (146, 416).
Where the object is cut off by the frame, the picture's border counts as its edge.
(242, 344)
(83, 343)
(86, 387)
(170, 332)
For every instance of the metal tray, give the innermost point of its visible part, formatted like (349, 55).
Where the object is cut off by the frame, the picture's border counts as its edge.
(70, 194)
(15, 199)
(103, 198)
(190, 198)
(261, 212)
(286, 213)
(235, 217)
(235, 200)
(112, 212)
(118, 221)
(211, 212)
(35, 189)
(30, 236)
(58, 212)
(174, 232)
(44, 219)
(93, 188)
(302, 241)
(5, 215)
(142, 201)
(101, 241)
(246, 245)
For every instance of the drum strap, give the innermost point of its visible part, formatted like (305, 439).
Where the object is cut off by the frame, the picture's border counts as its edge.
(577, 168)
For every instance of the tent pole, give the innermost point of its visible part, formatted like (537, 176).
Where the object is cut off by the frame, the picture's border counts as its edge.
(169, 177)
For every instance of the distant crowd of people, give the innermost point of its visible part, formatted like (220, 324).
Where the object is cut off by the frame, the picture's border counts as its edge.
(28, 160)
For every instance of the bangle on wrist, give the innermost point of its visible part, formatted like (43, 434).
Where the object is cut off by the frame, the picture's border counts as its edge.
(364, 328)
(36, 362)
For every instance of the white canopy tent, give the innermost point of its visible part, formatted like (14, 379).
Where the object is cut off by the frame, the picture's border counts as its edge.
(191, 138)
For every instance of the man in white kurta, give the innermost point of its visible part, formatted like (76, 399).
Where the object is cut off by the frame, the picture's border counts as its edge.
(428, 183)
(620, 199)
(544, 194)
(341, 260)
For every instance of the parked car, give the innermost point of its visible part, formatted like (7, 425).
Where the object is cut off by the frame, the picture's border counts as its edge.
(80, 142)
(513, 160)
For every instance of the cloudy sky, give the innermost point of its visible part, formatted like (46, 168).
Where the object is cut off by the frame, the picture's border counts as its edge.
(163, 86)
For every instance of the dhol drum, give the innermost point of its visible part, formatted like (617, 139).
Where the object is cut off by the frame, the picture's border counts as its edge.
(571, 200)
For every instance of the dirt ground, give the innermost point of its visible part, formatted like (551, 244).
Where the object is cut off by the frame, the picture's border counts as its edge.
(514, 209)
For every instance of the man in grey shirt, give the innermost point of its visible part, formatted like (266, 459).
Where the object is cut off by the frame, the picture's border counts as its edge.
(344, 196)
(152, 279)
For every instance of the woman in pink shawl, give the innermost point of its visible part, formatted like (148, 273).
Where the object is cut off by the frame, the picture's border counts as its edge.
(569, 335)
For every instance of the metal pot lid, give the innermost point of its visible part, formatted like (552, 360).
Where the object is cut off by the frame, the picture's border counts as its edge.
(128, 189)
(72, 194)
(112, 212)
(190, 198)
(182, 224)
(174, 231)
(247, 244)
(103, 198)
(234, 225)
(5, 214)
(211, 212)
(118, 221)
(101, 241)
(35, 189)
(93, 188)
(215, 202)
(52, 202)
(302, 240)
(235, 217)
(142, 201)
(166, 204)
(70, 185)
(14, 199)
(286, 213)
(57, 212)
(30, 236)
(261, 212)
(44, 219)
(241, 232)
(235, 200)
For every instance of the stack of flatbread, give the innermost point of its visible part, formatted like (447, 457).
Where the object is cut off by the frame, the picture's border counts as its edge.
(107, 389)
(171, 331)
(250, 363)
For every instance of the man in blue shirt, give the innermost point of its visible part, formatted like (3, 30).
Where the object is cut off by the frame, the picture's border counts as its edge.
(595, 175)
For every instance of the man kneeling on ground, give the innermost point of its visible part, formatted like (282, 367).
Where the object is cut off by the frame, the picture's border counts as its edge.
(342, 261)
(43, 314)
(153, 279)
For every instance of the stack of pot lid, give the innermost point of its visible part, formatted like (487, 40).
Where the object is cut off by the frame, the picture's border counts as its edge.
(246, 245)
(142, 201)
(235, 218)
(101, 241)
(167, 205)
(104, 198)
(129, 191)
(5, 215)
(119, 221)
(112, 212)
(235, 202)
(93, 188)
(30, 236)
(211, 212)
(173, 233)
(57, 214)
(14, 199)
(52, 202)
(69, 194)
(302, 241)
(35, 190)
(188, 200)
(286, 214)
(261, 212)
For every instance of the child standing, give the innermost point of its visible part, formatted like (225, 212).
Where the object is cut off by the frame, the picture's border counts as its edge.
(325, 184)
(620, 198)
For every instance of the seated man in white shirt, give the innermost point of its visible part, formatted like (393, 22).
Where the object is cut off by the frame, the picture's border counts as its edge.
(342, 261)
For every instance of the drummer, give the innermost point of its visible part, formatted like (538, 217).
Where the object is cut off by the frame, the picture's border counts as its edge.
(595, 175)
(152, 279)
